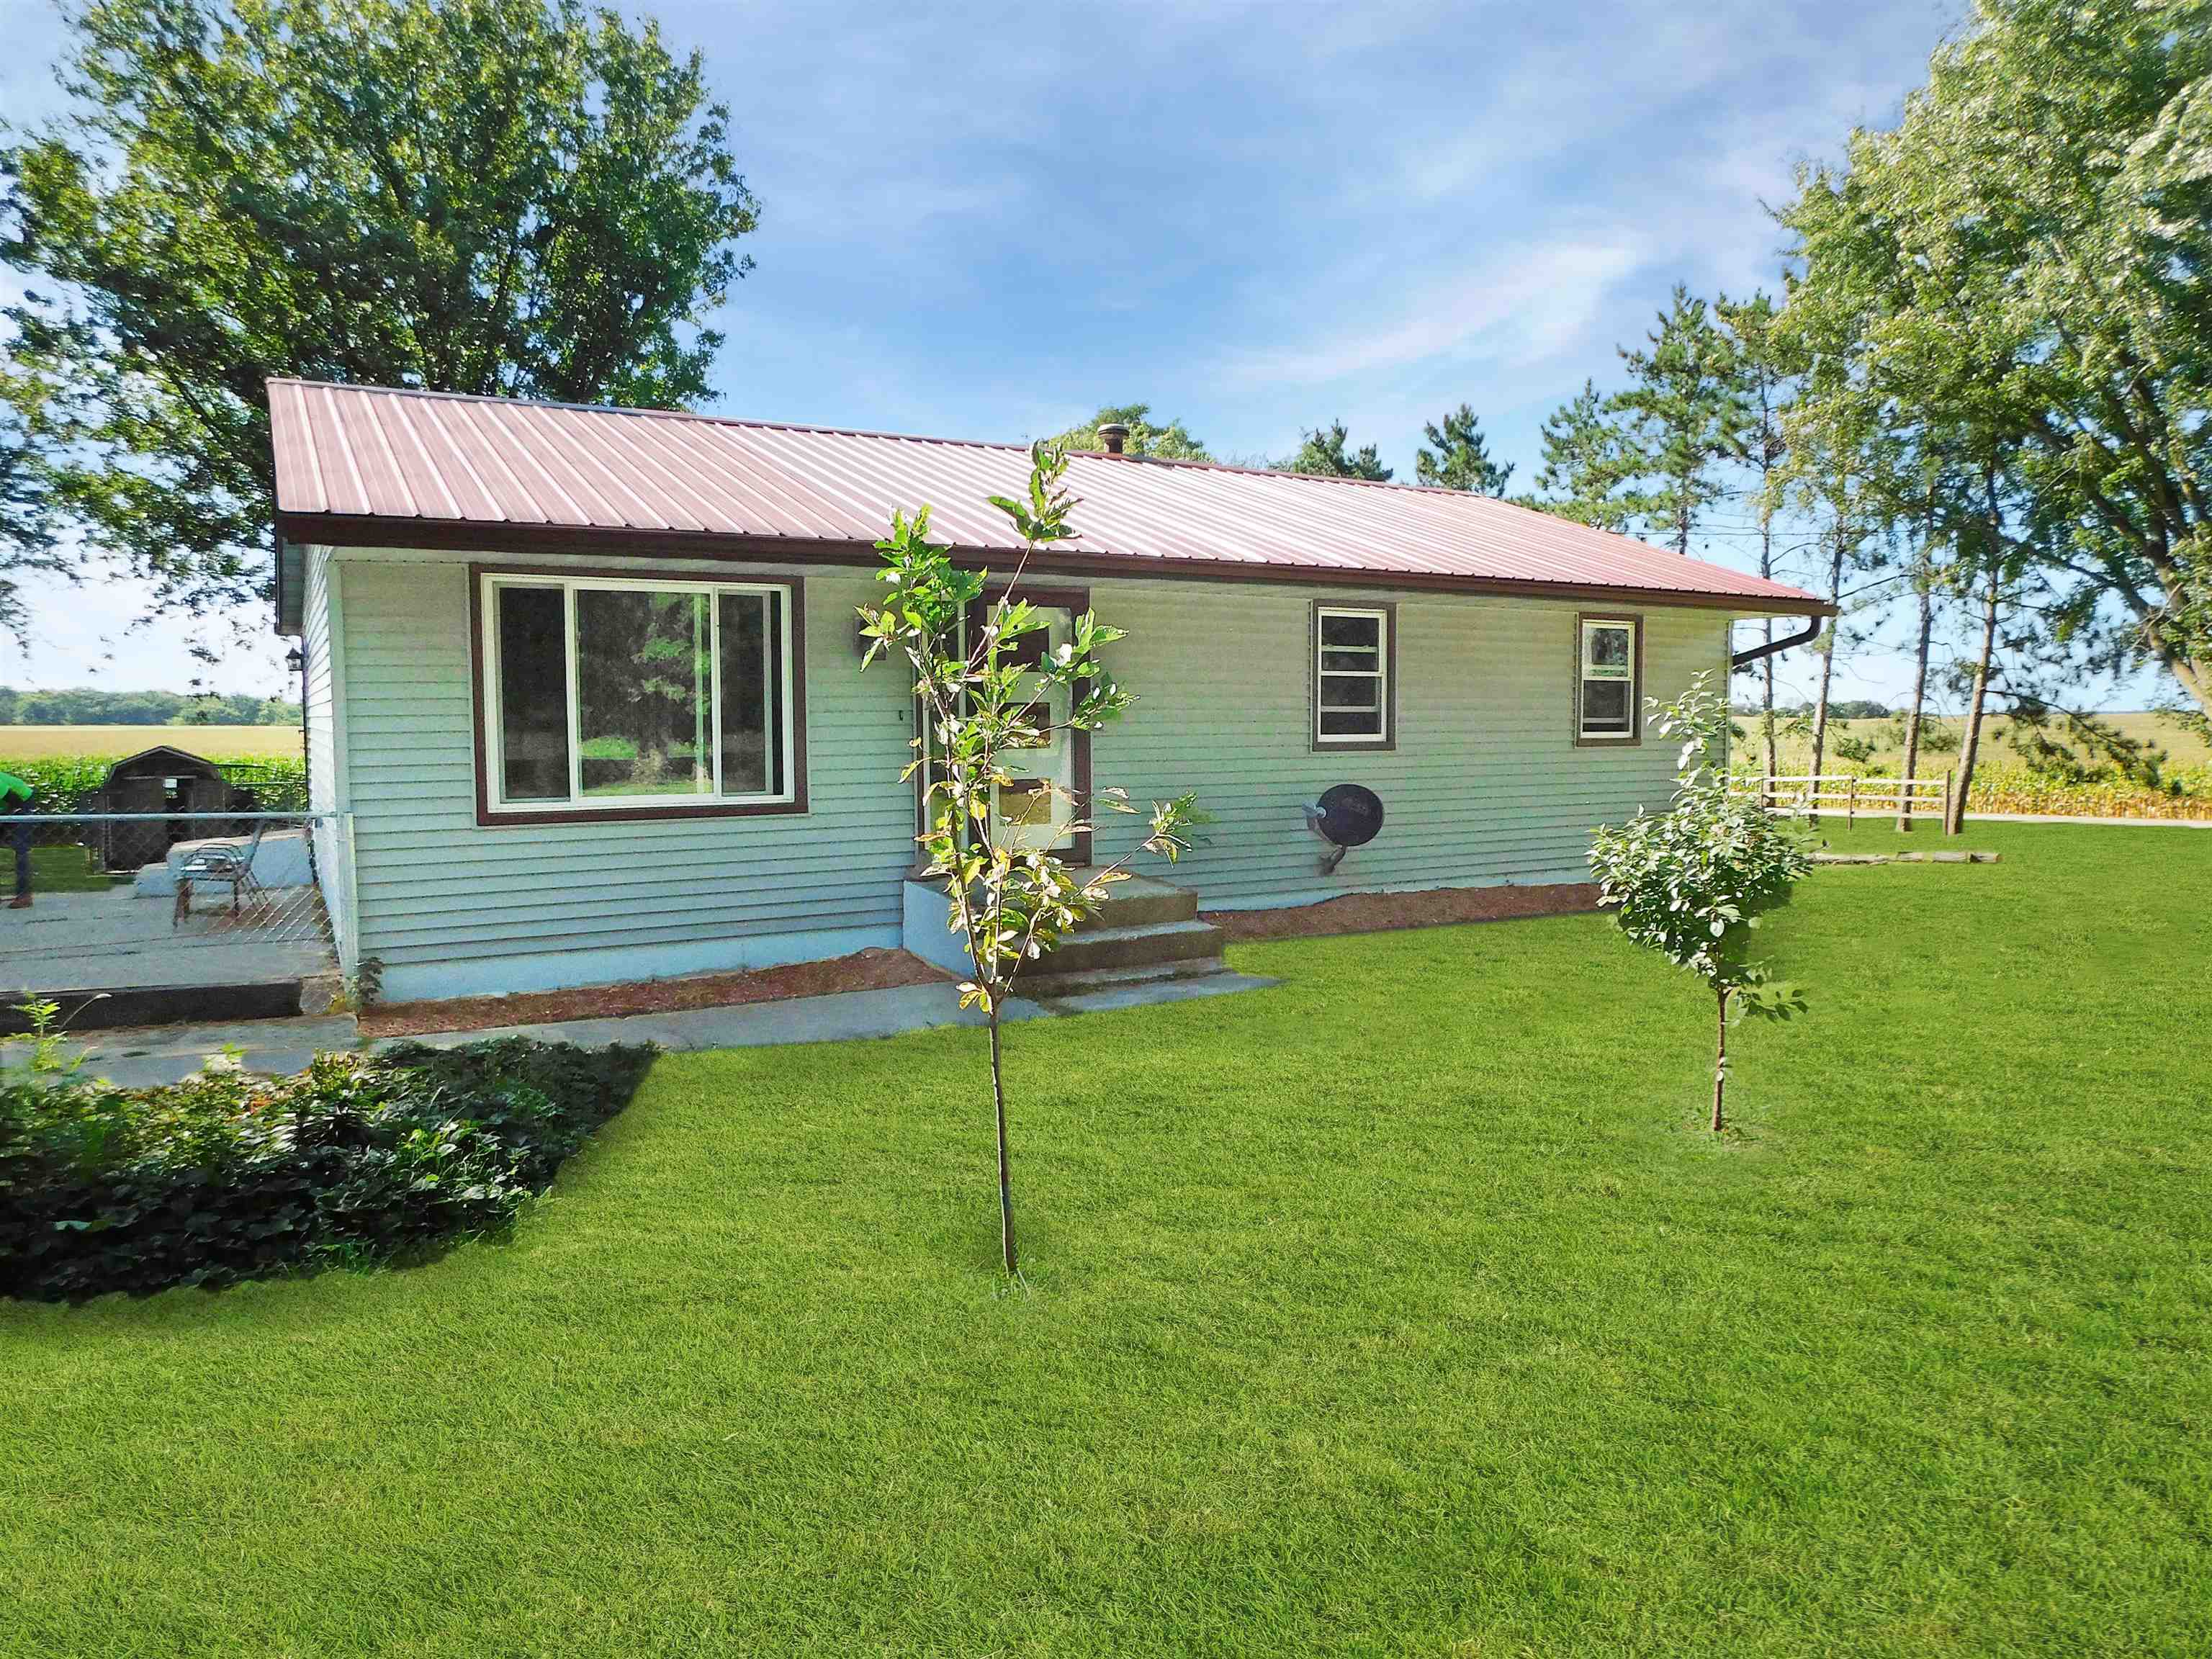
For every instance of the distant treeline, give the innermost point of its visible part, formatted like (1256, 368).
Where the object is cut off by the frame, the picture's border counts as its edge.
(1862, 708)
(87, 707)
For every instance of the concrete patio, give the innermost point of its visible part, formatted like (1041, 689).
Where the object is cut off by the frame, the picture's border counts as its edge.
(123, 949)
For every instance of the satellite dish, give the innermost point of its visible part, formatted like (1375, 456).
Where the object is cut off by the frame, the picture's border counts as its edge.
(1347, 815)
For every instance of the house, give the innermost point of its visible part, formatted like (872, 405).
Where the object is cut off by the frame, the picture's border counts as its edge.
(583, 697)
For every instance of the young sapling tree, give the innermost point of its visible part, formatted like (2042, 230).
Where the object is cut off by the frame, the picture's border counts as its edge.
(1691, 883)
(1012, 902)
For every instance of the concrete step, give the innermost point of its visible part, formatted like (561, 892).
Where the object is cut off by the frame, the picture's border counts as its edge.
(1136, 947)
(1053, 985)
(1141, 902)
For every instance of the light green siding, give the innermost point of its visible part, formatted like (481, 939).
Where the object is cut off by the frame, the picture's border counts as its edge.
(450, 907)
(1485, 785)
(324, 715)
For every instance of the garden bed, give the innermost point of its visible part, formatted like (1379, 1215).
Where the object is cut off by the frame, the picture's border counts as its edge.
(1383, 913)
(863, 970)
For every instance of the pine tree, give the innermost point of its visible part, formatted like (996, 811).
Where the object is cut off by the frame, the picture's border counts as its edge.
(1687, 416)
(1588, 469)
(1327, 451)
(1767, 366)
(1457, 458)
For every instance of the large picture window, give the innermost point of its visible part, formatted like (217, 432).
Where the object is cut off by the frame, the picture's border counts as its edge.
(1604, 684)
(607, 695)
(1353, 696)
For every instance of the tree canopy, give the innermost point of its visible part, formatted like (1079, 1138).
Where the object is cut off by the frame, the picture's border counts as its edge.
(514, 196)
(1327, 450)
(1170, 442)
(2020, 265)
(1457, 456)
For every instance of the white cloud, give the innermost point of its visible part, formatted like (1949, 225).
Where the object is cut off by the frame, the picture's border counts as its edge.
(1516, 306)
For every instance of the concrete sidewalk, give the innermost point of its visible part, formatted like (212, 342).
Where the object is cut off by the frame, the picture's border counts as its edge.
(153, 1055)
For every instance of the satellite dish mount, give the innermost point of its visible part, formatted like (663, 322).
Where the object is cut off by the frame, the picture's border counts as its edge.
(1347, 815)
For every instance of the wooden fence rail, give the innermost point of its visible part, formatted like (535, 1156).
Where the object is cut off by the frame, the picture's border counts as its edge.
(1809, 793)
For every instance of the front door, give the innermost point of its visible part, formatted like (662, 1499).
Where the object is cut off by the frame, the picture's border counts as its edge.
(1033, 808)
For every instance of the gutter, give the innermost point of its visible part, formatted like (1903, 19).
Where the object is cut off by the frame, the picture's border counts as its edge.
(1745, 659)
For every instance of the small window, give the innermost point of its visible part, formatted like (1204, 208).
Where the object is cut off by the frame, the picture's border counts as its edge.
(1606, 689)
(1353, 697)
(613, 696)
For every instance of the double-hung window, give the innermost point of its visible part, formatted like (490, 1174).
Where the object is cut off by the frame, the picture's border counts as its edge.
(1354, 700)
(608, 696)
(1605, 680)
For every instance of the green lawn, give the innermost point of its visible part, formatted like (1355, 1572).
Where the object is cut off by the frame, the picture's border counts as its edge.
(1402, 1308)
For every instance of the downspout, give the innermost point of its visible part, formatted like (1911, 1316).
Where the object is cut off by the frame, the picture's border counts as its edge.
(1745, 659)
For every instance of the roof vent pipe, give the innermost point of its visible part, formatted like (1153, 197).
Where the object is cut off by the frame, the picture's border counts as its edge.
(1113, 435)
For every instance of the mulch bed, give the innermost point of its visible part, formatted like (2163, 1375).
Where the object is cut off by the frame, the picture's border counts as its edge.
(864, 970)
(1383, 912)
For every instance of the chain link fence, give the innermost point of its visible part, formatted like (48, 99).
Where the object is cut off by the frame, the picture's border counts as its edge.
(98, 899)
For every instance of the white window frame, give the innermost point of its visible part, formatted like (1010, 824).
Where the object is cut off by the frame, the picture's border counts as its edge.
(1586, 626)
(493, 582)
(1385, 619)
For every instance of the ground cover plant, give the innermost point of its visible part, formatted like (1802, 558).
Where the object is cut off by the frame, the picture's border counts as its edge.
(227, 1176)
(1406, 1308)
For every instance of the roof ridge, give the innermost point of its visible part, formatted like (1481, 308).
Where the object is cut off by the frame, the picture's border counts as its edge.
(642, 412)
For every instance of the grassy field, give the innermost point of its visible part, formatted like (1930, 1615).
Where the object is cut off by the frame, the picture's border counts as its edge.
(1402, 1309)
(1795, 751)
(218, 742)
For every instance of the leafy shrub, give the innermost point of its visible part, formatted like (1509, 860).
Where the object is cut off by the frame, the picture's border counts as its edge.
(1856, 750)
(227, 1176)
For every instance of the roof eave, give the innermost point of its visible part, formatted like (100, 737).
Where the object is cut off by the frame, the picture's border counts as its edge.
(472, 536)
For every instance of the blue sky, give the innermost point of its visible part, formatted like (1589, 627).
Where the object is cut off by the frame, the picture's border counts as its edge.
(984, 221)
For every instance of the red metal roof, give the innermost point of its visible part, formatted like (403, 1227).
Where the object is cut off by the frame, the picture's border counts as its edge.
(371, 465)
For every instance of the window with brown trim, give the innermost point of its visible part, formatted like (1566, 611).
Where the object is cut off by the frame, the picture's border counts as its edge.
(1608, 665)
(609, 695)
(1355, 693)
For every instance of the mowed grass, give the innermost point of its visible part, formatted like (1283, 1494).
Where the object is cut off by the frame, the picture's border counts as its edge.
(217, 743)
(1400, 1309)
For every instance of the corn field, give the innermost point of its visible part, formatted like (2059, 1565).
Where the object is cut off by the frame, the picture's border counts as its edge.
(2016, 789)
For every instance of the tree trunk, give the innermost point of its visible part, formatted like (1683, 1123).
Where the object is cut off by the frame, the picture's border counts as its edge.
(1720, 1058)
(1972, 746)
(1767, 710)
(1827, 672)
(1006, 1177)
(1919, 701)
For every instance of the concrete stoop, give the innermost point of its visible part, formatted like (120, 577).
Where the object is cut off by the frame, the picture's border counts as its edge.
(1147, 943)
(1145, 934)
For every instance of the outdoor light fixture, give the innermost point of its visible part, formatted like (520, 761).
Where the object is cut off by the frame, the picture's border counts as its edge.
(294, 661)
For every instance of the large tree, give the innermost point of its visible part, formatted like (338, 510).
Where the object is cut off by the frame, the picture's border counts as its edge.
(1766, 364)
(1685, 415)
(1170, 442)
(1327, 451)
(519, 197)
(2031, 251)
(1589, 473)
(24, 536)
(1457, 456)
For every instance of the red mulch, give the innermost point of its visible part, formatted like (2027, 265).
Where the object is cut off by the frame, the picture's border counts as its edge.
(1383, 912)
(864, 970)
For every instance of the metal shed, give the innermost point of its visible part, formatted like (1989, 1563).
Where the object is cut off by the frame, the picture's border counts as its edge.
(162, 778)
